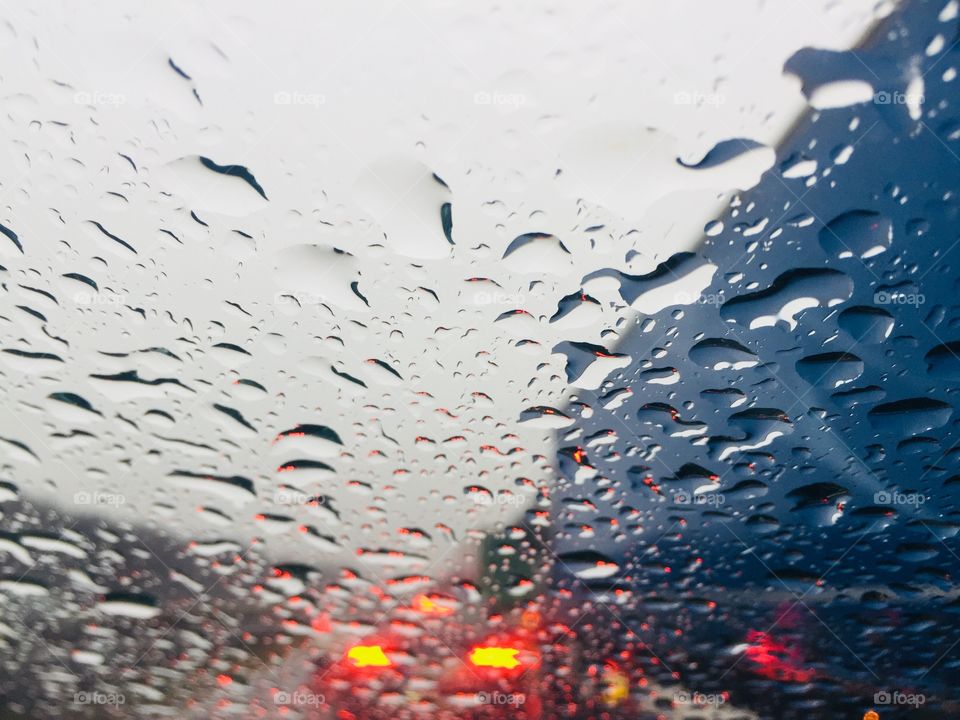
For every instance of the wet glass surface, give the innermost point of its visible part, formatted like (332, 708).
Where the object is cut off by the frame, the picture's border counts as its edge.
(434, 360)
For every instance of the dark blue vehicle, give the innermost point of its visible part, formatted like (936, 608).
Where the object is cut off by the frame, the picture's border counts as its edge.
(783, 518)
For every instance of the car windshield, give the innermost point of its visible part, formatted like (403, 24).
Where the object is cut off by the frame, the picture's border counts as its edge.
(421, 359)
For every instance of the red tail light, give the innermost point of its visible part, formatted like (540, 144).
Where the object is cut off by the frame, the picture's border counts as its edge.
(368, 656)
(424, 604)
(495, 657)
